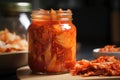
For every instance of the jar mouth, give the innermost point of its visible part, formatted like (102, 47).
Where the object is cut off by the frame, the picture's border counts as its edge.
(52, 14)
(62, 12)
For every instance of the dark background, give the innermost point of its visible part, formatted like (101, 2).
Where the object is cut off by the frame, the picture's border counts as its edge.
(93, 18)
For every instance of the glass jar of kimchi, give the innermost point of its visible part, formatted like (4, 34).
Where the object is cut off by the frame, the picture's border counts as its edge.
(52, 41)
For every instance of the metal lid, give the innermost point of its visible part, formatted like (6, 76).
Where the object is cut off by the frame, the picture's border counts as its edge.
(16, 7)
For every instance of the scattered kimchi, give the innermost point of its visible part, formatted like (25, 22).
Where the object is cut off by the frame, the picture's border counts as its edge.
(102, 66)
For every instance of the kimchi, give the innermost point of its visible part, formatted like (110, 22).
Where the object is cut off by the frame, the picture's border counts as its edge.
(110, 48)
(102, 66)
(11, 42)
(52, 41)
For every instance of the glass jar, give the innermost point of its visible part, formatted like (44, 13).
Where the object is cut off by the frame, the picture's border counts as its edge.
(52, 41)
(15, 16)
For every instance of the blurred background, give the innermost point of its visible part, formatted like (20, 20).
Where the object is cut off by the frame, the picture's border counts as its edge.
(97, 21)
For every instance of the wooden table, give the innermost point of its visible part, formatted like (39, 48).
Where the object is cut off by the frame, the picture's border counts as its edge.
(24, 73)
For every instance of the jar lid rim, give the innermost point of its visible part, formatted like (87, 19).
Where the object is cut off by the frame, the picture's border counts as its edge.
(16, 7)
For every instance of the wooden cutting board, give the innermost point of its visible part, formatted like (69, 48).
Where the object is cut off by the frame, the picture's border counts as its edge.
(24, 73)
